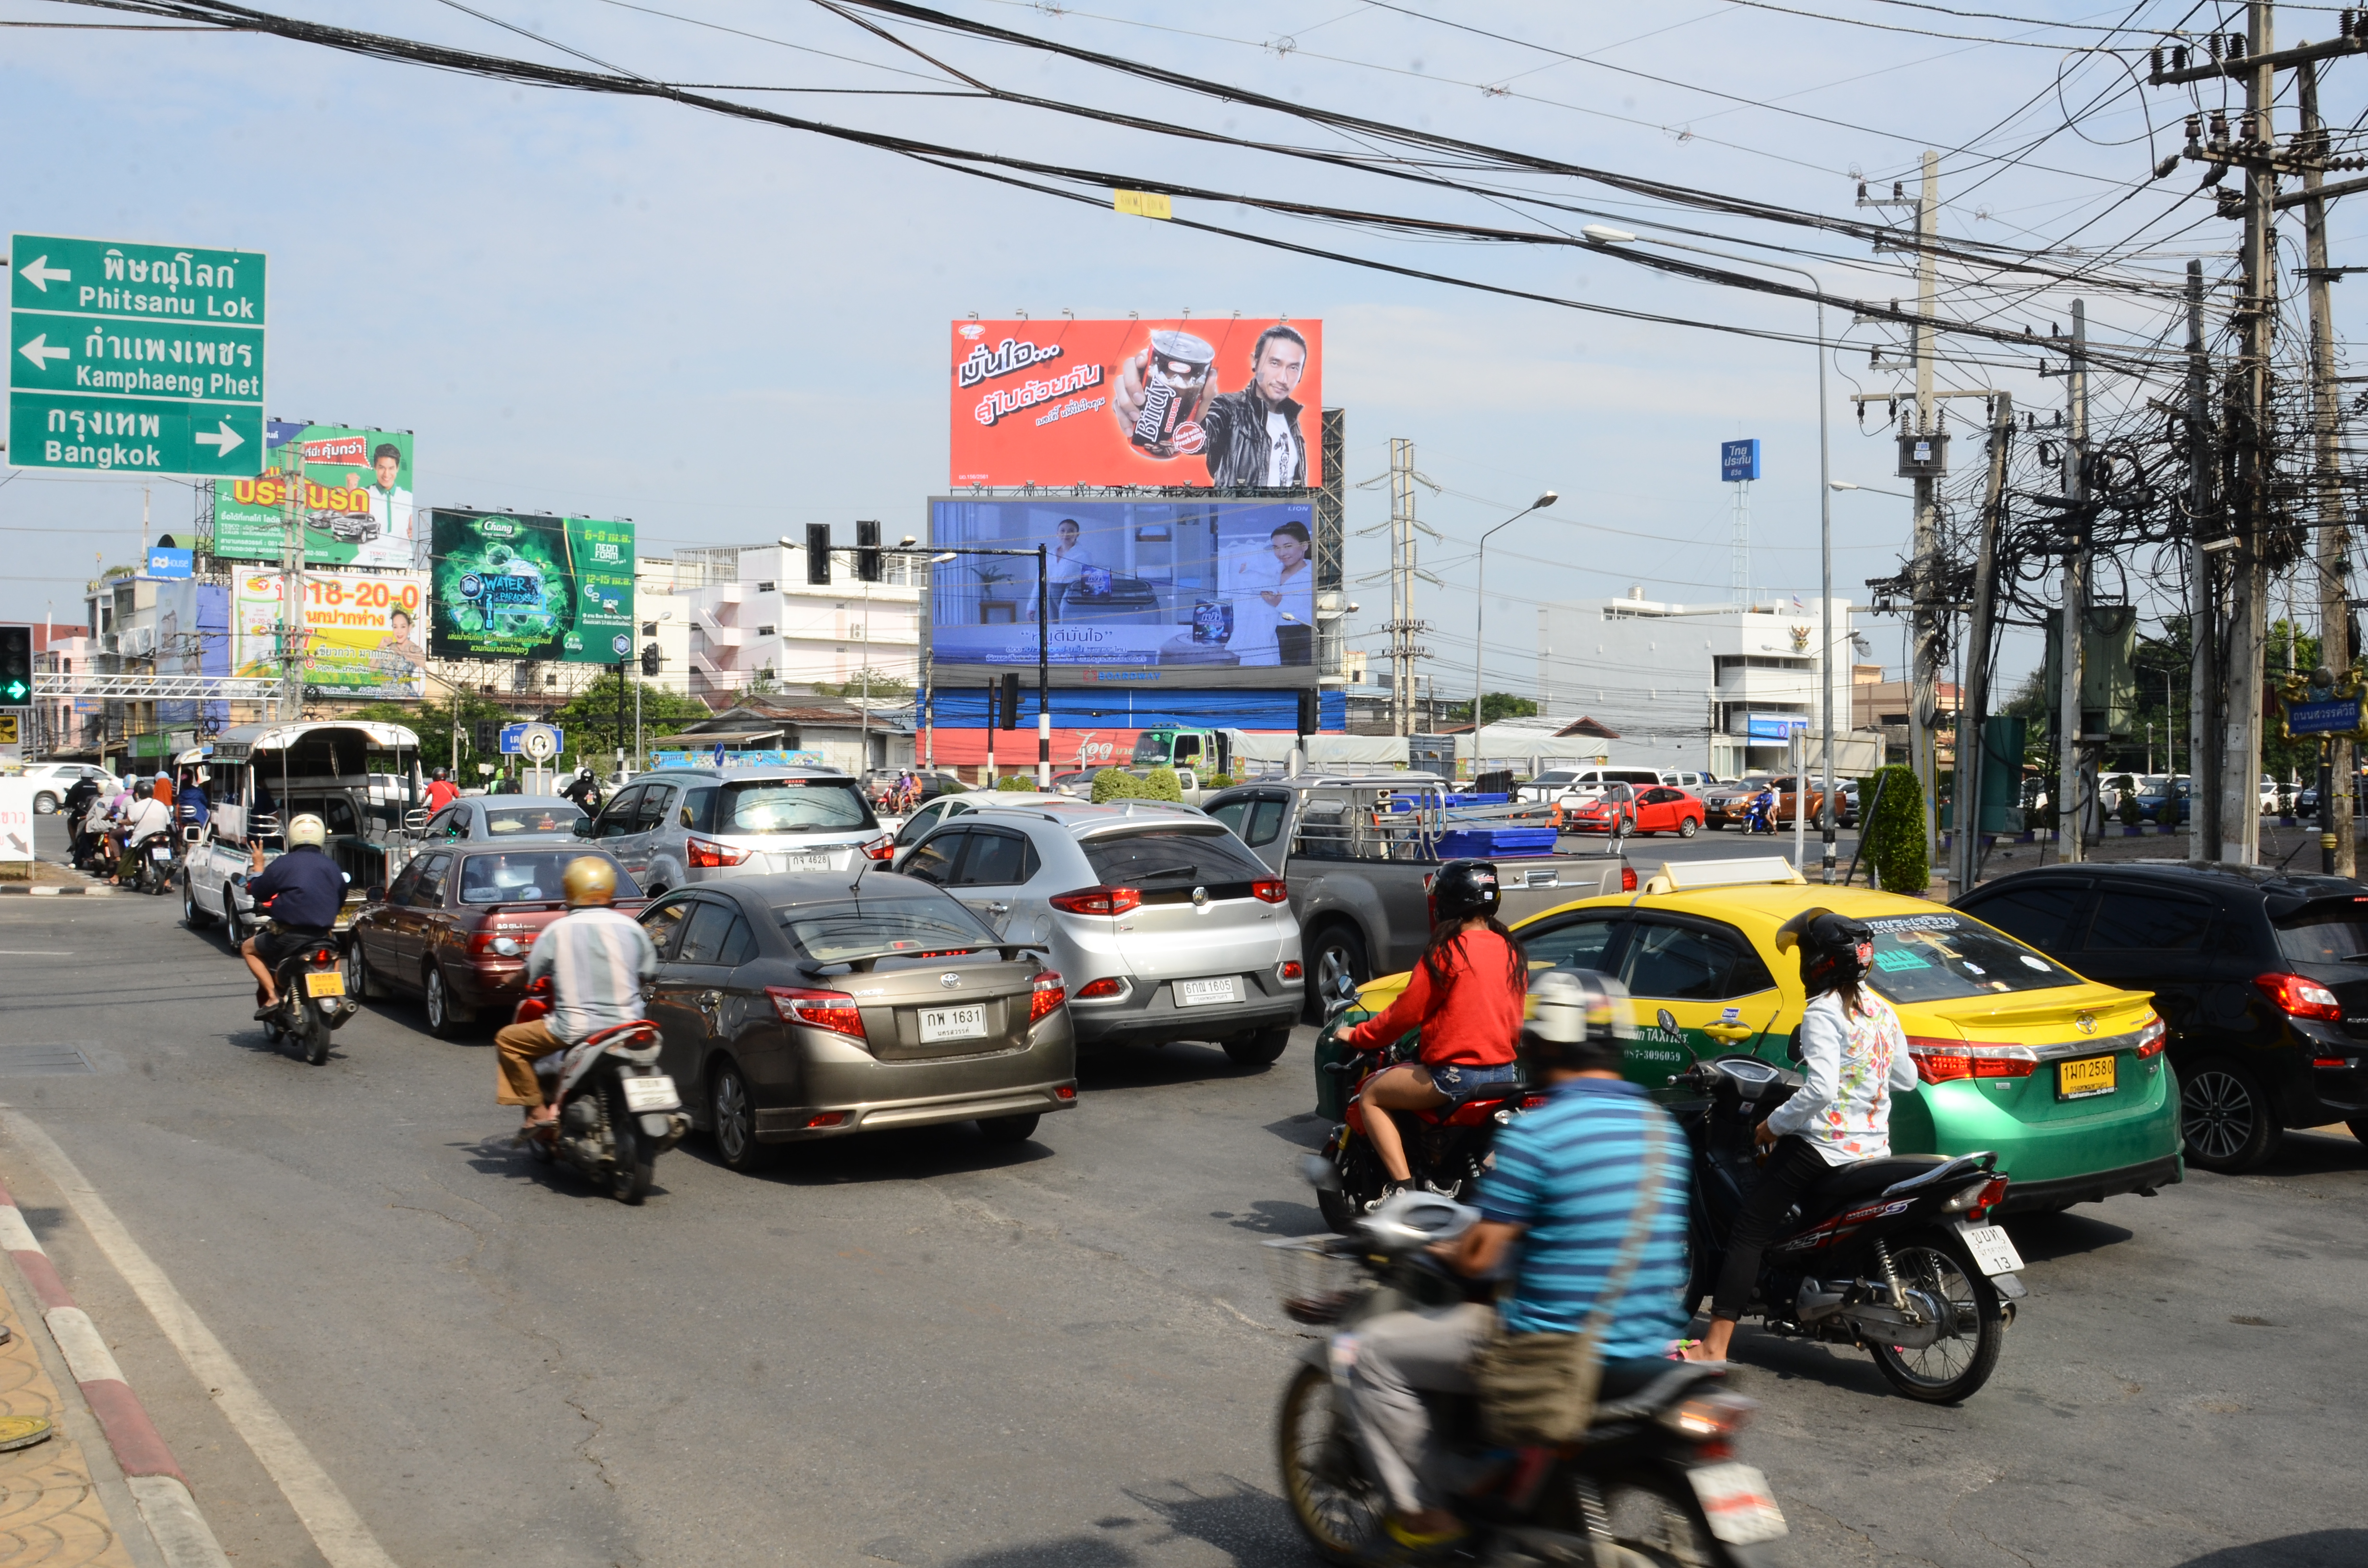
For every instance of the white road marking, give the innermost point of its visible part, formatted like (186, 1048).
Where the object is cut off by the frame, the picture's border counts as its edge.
(343, 1540)
(36, 952)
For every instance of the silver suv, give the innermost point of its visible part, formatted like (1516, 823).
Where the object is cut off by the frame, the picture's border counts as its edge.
(697, 824)
(1163, 925)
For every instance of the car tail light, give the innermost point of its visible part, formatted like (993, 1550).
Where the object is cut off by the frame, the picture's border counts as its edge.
(828, 1119)
(1097, 899)
(1271, 889)
(1046, 996)
(708, 854)
(1627, 878)
(2300, 998)
(1291, 969)
(833, 1010)
(495, 944)
(1065, 1092)
(1096, 990)
(881, 848)
(2333, 1060)
(2152, 1037)
(1943, 1060)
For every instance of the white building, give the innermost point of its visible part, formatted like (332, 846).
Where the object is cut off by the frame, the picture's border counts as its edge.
(1688, 680)
(664, 619)
(752, 617)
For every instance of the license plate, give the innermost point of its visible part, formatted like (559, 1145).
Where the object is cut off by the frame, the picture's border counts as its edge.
(952, 1023)
(2090, 1076)
(324, 982)
(160, 853)
(1204, 992)
(1992, 1248)
(655, 1091)
(807, 862)
(1736, 1500)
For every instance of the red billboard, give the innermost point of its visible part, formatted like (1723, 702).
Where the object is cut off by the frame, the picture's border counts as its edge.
(1225, 403)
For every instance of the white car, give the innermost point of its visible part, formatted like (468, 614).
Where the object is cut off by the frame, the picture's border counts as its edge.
(53, 779)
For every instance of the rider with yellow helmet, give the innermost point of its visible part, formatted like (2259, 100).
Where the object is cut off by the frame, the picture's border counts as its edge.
(601, 965)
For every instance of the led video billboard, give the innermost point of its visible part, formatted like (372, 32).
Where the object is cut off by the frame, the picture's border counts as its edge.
(531, 588)
(1133, 587)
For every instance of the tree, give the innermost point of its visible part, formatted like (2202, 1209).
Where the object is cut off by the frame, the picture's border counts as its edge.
(759, 683)
(432, 721)
(879, 685)
(1495, 705)
(590, 719)
(1892, 833)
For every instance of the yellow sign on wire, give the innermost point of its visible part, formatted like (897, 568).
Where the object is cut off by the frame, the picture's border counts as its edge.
(1143, 204)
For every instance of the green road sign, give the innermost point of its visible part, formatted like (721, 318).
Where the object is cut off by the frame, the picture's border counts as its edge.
(125, 355)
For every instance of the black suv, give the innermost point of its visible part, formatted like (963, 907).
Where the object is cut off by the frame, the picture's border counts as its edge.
(2262, 977)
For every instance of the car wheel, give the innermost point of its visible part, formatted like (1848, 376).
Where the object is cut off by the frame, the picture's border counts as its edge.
(734, 1118)
(1687, 827)
(444, 1019)
(1258, 1050)
(2358, 1125)
(1008, 1129)
(195, 918)
(1336, 950)
(235, 925)
(2225, 1117)
(45, 806)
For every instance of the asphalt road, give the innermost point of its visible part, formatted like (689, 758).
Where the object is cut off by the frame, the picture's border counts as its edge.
(920, 1349)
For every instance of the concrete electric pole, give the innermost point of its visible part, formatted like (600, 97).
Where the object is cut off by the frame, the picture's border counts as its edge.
(2073, 794)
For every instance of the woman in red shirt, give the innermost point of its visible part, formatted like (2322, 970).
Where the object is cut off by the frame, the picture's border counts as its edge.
(1466, 996)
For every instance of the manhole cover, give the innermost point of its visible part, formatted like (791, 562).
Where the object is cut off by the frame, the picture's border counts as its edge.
(42, 1061)
(22, 1431)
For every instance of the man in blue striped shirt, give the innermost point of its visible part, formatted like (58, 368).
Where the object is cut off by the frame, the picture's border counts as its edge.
(1567, 1188)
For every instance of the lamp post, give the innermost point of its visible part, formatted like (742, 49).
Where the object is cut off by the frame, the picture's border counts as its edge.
(1480, 614)
(1596, 234)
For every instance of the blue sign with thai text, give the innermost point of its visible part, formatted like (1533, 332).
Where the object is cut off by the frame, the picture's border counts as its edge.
(1738, 460)
(1774, 726)
(2323, 717)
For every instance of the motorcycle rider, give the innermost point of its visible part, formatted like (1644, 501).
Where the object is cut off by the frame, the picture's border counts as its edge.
(585, 790)
(147, 816)
(1465, 994)
(1855, 1056)
(442, 791)
(301, 892)
(601, 966)
(1566, 1188)
(76, 808)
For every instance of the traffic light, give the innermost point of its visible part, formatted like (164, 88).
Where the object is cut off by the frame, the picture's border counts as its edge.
(651, 659)
(15, 666)
(1311, 711)
(1011, 702)
(818, 555)
(488, 739)
(867, 551)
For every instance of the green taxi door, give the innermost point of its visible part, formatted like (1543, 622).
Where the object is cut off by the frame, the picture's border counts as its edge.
(1700, 992)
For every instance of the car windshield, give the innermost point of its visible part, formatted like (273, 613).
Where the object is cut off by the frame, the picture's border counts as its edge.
(2328, 933)
(792, 806)
(1939, 958)
(902, 928)
(509, 822)
(1172, 857)
(528, 876)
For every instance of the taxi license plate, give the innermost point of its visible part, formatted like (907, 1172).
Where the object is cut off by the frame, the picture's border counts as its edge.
(655, 1091)
(952, 1023)
(324, 982)
(1737, 1503)
(1206, 993)
(2090, 1076)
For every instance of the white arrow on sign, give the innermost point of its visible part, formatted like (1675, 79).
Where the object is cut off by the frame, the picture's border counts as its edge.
(224, 443)
(40, 274)
(40, 352)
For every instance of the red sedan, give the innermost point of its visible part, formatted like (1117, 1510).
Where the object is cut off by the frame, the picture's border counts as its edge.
(1620, 809)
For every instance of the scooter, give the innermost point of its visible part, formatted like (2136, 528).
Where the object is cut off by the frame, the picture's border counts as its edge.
(312, 1000)
(616, 1112)
(1652, 1482)
(152, 864)
(1895, 1256)
(1445, 1147)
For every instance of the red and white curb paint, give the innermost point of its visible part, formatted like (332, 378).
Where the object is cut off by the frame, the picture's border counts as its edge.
(148, 1468)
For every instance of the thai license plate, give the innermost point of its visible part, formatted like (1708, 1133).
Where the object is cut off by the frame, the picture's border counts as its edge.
(952, 1023)
(655, 1091)
(1205, 993)
(160, 852)
(1736, 1502)
(324, 982)
(2090, 1076)
(1992, 1248)
(809, 860)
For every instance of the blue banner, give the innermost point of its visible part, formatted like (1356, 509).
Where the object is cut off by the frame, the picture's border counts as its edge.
(2323, 717)
(1738, 460)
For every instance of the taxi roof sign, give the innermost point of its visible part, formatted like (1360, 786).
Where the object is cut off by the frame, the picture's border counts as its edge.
(1678, 875)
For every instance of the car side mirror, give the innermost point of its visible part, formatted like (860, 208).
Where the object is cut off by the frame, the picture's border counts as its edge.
(375, 892)
(583, 826)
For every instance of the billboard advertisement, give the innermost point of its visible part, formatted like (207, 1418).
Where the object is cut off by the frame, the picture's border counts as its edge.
(361, 631)
(1224, 404)
(1136, 588)
(531, 588)
(351, 489)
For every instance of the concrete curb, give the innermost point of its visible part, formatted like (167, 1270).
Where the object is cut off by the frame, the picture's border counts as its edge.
(148, 1468)
(8, 888)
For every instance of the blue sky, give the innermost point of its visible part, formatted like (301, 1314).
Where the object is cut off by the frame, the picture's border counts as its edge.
(724, 331)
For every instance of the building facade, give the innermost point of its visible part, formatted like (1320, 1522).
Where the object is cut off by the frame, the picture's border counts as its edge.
(753, 622)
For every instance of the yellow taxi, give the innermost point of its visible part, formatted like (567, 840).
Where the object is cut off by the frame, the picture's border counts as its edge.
(2063, 1078)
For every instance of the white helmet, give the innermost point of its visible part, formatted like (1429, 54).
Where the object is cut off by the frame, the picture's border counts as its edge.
(307, 829)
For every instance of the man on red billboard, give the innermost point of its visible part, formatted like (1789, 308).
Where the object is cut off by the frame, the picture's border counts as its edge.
(1249, 437)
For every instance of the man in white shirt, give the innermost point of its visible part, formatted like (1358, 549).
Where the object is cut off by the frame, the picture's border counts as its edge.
(392, 508)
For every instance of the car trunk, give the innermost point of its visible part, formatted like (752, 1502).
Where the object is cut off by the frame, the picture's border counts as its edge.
(2049, 1022)
(903, 1006)
(1232, 935)
(788, 852)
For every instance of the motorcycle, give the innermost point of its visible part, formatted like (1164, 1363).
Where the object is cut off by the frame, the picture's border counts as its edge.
(616, 1112)
(1445, 1147)
(313, 1001)
(154, 867)
(1652, 1482)
(1891, 1256)
(1760, 818)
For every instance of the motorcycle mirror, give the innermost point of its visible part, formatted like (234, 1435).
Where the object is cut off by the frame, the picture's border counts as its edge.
(1321, 1174)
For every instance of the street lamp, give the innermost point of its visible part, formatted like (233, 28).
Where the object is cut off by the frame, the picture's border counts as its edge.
(1599, 235)
(1480, 611)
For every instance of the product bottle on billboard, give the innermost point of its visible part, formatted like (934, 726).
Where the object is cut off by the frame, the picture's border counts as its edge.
(531, 588)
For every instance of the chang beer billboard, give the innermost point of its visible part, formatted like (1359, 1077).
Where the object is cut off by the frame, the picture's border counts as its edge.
(531, 587)
(349, 490)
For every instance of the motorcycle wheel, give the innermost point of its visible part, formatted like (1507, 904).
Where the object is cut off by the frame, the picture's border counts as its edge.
(1361, 1183)
(315, 1038)
(1335, 1505)
(628, 1179)
(1954, 1366)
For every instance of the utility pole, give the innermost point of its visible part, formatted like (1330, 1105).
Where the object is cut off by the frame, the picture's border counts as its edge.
(2071, 803)
(2337, 772)
(2204, 607)
(1924, 708)
(1973, 708)
(1403, 627)
(292, 584)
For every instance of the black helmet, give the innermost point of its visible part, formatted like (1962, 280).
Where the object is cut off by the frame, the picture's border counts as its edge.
(1577, 1019)
(443, 773)
(1463, 889)
(1835, 949)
